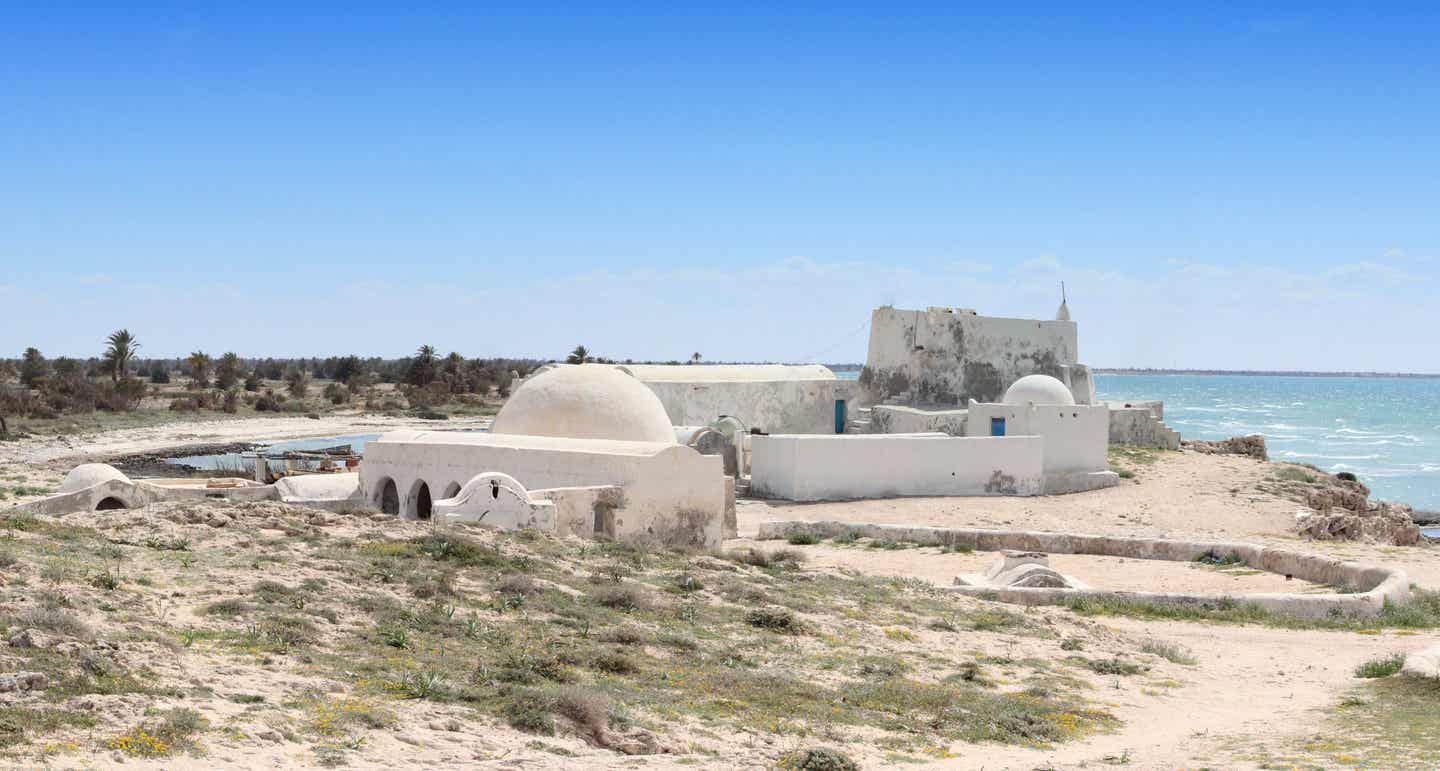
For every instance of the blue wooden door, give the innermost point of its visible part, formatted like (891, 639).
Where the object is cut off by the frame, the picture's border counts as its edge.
(997, 426)
(839, 416)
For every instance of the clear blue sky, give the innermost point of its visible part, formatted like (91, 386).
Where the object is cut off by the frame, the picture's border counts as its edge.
(1237, 186)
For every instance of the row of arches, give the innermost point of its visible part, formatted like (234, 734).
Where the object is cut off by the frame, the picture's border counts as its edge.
(418, 503)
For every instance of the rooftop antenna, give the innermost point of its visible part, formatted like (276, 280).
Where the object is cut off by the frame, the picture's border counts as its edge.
(1064, 313)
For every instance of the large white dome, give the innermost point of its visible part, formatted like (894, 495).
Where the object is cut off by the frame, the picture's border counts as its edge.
(1038, 389)
(585, 401)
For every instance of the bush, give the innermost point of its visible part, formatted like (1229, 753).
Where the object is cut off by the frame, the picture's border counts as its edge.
(297, 382)
(590, 711)
(267, 404)
(802, 538)
(818, 759)
(123, 396)
(337, 394)
(184, 404)
(774, 619)
(528, 710)
(231, 403)
(626, 598)
(614, 663)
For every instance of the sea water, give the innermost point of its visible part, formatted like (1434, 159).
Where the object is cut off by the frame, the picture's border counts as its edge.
(1385, 430)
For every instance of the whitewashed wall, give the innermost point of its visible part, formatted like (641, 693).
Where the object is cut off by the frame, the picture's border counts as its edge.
(817, 468)
(773, 406)
(672, 494)
(1076, 439)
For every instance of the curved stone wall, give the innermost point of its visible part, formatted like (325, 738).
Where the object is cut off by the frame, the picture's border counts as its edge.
(1371, 586)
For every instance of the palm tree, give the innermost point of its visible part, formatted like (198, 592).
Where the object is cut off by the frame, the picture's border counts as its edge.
(199, 368)
(118, 353)
(422, 367)
(695, 358)
(33, 367)
(229, 371)
(578, 356)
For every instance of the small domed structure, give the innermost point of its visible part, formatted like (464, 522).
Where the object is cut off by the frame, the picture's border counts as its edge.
(87, 475)
(585, 401)
(1038, 389)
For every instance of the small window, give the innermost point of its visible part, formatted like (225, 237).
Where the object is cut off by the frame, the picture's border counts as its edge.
(997, 426)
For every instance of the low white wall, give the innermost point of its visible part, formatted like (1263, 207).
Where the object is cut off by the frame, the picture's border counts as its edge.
(816, 468)
(896, 419)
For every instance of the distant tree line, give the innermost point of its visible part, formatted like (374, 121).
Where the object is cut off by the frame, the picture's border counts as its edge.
(116, 380)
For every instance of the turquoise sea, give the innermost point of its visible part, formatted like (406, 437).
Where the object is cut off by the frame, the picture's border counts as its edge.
(1385, 430)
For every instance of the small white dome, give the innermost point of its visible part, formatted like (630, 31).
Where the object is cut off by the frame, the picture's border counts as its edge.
(87, 475)
(1038, 389)
(585, 401)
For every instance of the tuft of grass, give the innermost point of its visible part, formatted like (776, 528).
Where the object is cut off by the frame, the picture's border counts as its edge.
(778, 559)
(1114, 666)
(53, 620)
(1382, 666)
(1172, 652)
(229, 608)
(19, 724)
(614, 663)
(174, 731)
(517, 583)
(802, 538)
(628, 597)
(428, 684)
(1220, 560)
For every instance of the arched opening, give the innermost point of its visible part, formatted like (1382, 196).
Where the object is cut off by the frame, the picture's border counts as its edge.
(452, 490)
(421, 495)
(389, 497)
(110, 504)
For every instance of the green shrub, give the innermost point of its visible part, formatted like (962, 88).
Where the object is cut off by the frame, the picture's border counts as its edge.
(774, 619)
(1383, 666)
(818, 759)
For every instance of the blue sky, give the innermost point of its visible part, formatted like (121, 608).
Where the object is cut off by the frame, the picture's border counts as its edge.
(1239, 186)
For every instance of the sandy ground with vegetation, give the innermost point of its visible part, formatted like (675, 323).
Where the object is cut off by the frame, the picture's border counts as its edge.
(32, 467)
(284, 637)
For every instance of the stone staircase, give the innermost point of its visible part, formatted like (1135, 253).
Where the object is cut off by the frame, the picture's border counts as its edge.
(858, 421)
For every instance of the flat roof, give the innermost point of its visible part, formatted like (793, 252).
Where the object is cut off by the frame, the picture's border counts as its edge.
(522, 441)
(726, 373)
